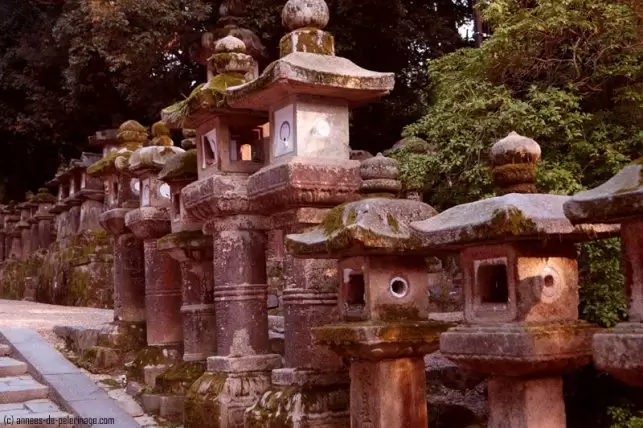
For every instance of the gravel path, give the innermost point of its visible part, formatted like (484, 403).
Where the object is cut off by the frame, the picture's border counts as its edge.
(43, 318)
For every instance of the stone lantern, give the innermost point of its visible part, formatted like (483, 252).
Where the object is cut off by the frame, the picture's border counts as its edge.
(122, 194)
(521, 292)
(13, 235)
(383, 305)
(308, 94)
(60, 207)
(150, 222)
(24, 226)
(619, 351)
(231, 145)
(87, 192)
(193, 250)
(43, 217)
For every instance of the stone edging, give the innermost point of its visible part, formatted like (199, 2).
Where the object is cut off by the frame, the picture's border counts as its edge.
(69, 387)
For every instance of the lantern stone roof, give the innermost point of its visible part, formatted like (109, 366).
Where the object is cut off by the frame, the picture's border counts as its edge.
(181, 167)
(131, 136)
(618, 199)
(373, 225)
(308, 65)
(151, 158)
(312, 74)
(505, 218)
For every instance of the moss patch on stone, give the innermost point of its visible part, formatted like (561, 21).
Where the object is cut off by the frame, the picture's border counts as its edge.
(106, 164)
(148, 356)
(181, 166)
(178, 379)
(503, 224)
(201, 402)
(202, 97)
(309, 40)
(399, 313)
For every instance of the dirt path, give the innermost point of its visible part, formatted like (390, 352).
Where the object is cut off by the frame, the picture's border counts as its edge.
(43, 318)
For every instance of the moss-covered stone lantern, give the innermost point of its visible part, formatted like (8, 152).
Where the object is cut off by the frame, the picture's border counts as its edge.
(619, 351)
(521, 294)
(86, 192)
(122, 193)
(13, 235)
(308, 93)
(60, 208)
(193, 250)
(150, 222)
(24, 226)
(383, 303)
(230, 145)
(44, 218)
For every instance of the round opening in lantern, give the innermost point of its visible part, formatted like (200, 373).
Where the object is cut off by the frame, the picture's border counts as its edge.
(549, 281)
(399, 287)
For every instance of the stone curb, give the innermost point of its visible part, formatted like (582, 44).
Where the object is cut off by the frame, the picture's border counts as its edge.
(69, 387)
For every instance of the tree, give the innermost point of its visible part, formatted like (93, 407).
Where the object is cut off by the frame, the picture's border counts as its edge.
(568, 74)
(71, 67)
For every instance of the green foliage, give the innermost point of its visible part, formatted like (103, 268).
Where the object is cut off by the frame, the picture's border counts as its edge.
(625, 417)
(602, 298)
(567, 73)
(414, 168)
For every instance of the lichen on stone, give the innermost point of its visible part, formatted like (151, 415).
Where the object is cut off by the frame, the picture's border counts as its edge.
(182, 166)
(178, 379)
(504, 223)
(107, 164)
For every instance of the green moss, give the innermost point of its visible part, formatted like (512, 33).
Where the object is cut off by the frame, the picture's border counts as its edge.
(309, 40)
(179, 378)
(392, 221)
(201, 402)
(277, 406)
(398, 313)
(513, 174)
(334, 220)
(183, 165)
(181, 239)
(106, 164)
(503, 224)
(149, 356)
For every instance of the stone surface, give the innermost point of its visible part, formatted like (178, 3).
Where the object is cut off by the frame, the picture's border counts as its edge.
(618, 351)
(66, 383)
(305, 13)
(370, 341)
(520, 349)
(11, 367)
(17, 389)
(510, 217)
(340, 78)
(526, 403)
(621, 197)
(374, 225)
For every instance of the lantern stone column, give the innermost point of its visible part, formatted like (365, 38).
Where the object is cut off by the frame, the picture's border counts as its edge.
(308, 93)
(619, 351)
(121, 196)
(383, 305)
(193, 250)
(149, 223)
(43, 218)
(521, 291)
